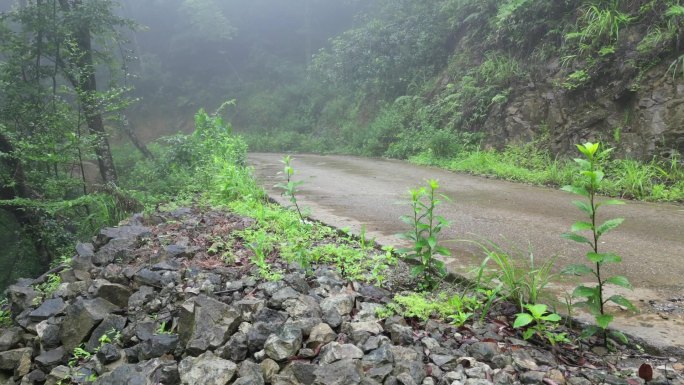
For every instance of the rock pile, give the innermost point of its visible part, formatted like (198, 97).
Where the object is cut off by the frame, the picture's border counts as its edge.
(149, 305)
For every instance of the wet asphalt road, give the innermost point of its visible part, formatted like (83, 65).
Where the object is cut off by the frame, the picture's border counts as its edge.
(350, 192)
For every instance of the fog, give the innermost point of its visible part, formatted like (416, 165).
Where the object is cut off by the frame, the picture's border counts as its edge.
(188, 54)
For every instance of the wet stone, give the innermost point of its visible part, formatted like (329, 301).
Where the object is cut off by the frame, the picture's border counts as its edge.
(49, 308)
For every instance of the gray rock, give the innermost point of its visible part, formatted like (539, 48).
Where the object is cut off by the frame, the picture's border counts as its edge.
(269, 368)
(16, 358)
(334, 351)
(110, 325)
(116, 250)
(332, 317)
(161, 371)
(20, 298)
(50, 336)
(206, 369)
(157, 346)
(303, 306)
(477, 381)
(249, 373)
(259, 332)
(401, 335)
(532, 377)
(303, 372)
(345, 372)
(342, 303)
(149, 278)
(9, 338)
(578, 381)
(206, 323)
(442, 359)
(379, 373)
(114, 293)
(320, 335)
(281, 296)
(523, 361)
(131, 233)
(140, 297)
(380, 356)
(236, 349)
(108, 353)
(483, 351)
(415, 369)
(59, 374)
(479, 370)
(85, 250)
(406, 379)
(52, 358)
(402, 353)
(36, 376)
(283, 344)
(49, 308)
(249, 307)
(128, 374)
(81, 317)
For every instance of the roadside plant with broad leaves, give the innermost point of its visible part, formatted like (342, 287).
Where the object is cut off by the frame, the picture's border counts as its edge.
(425, 229)
(544, 324)
(290, 187)
(589, 232)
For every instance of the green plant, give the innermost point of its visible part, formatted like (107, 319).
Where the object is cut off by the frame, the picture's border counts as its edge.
(544, 324)
(79, 355)
(5, 314)
(290, 187)
(592, 177)
(48, 287)
(456, 308)
(575, 80)
(425, 229)
(163, 329)
(522, 280)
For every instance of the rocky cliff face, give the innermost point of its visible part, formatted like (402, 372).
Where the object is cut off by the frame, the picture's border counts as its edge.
(641, 120)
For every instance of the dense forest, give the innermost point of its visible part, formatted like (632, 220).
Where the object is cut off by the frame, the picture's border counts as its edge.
(98, 96)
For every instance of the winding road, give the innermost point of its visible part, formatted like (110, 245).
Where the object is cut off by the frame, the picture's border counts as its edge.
(346, 191)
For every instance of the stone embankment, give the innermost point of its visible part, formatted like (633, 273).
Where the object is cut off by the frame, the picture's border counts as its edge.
(148, 303)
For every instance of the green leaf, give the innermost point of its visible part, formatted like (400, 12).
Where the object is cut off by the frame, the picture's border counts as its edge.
(443, 251)
(584, 206)
(417, 270)
(619, 336)
(527, 334)
(537, 310)
(589, 331)
(576, 190)
(432, 242)
(581, 226)
(609, 225)
(577, 270)
(619, 280)
(522, 319)
(583, 291)
(603, 320)
(603, 257)
(553, 317)
(576, 238)
(622, 301)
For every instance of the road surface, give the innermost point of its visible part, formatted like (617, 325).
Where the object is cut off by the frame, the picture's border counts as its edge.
(346, 191)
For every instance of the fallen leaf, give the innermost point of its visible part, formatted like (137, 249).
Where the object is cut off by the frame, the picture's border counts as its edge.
(646, 372)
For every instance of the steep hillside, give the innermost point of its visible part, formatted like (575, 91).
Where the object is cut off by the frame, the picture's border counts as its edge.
(418, 76)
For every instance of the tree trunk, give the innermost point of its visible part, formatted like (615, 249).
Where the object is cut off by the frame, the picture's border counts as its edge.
(27, 217)
(86, 86)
